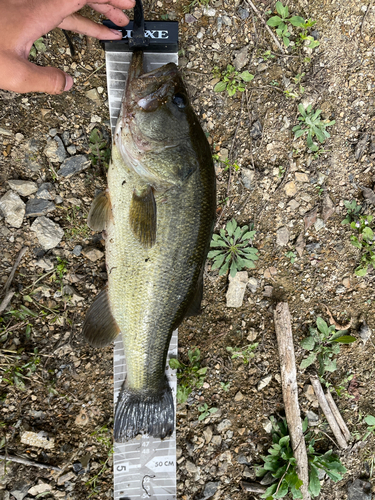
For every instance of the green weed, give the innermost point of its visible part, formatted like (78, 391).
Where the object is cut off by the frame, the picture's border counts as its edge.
(292, 256)
(17, 372)
(312, 125)
(324, 342)
(195, 3)
(227, 163)
(235, 252)
(100, 151)
(38, 46)
(205, 411)
(370, 421)
(231, 80)
(104, 437)
(190, 376)
(365, 241)
(245, 353)
(225, 386)
(353, 211)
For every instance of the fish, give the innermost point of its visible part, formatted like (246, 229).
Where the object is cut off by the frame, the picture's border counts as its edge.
(157, 217)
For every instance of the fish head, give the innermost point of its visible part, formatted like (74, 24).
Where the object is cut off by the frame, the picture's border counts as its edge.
(156, 128)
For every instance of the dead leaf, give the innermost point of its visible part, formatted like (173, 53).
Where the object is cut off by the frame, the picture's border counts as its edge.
(328, 207)
(369, 195)
(300, 244)
(310, 217)
(332, 320)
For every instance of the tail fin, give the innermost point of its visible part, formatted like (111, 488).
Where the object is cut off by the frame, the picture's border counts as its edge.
(144, 411)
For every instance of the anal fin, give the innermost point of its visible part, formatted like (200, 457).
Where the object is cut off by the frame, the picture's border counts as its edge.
(142, 216)
(100, 212)
(100, 327)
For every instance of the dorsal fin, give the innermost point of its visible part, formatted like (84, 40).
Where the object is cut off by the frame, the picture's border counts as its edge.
(142, 216)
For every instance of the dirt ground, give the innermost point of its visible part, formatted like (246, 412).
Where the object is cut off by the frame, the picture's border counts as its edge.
(52, 381)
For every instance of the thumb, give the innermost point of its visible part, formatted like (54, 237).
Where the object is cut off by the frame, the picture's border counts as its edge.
(20, 75)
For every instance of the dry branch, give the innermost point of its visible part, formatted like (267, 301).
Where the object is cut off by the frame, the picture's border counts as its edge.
(25, 461)
(341, 441)
(338, 416)
(14, 268)
(290, 392)
(266, 25)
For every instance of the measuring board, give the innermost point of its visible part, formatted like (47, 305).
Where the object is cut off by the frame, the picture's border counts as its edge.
(144, 467)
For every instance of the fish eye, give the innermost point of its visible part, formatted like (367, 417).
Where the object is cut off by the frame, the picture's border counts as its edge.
(180, 100)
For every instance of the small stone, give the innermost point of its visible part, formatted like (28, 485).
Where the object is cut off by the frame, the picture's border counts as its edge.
(267, 426)
(301, 177)
(210, 489)
(312, 417)
(310, 396)
(71, 149)
(268, 290)
(310, 217)
(346, 283)
(300, 244)
(73, 165)
(82, 418)
(23, 188)
(93, 95)
(65, 477)
(238, 396)
(96, 119)
(243, 13)
(40, 440)
(247, 176)
(209, 11)
(4, 131)
(290, 188)
(236, 289)
(224, 425)
(319, 224)
(52, 132)
(282, 236)
(20, 490)
(340, 290)
(37, 207)
(252, 284)
(39, 489)
(207, 434)
(49, 233)
(45, 264)
(293, 204)
(359, 490)
(256, 130)
(216, 441)
(189, 19)
(77, 250)
(77, 467)
(190, 467)
(92, 254)
(365, 332)
(46, 191)
(13, 209)
(242, 58)
(264, 382)
(55, 150)
(328, 207)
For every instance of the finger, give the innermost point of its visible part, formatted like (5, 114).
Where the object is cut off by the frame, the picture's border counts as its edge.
(23, 76)
(112, 13)
(85, 26)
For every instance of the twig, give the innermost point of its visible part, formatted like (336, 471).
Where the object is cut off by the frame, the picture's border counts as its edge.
(283, 180)
(341, 441)
(25, 461)
(266, 25)
(364, 17)
(14, 268)
(6, 300)
(93, 73)
(253, 487)
(338, 416)
(290, 392)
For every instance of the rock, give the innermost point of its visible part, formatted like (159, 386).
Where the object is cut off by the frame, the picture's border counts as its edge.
(207, 433)
(293, 204)
(189, 19)
(256, 130)
(66, 477)
(39, 489)
(45, 264)
(328, 208)
(23, 188)
(319, 224)
(49, 233)
(340, 290)
(247, 176)
(312, 417)
(77, 250)
(40, 440)
(268, 290)
(238, 396)
(72, 293)
(242, 58)
(236, 289)
(210, 489)
(252, 284)
(243, 13)
(310, 396)
(365, 332)
(4, 131)
(209, 11)
(72, 150)
(310, 217)
(73, 165)
(300, 244)
(224, 425)
(290, 188)
(267, 426)
(216, 441)
(282, 236)
(13, 209)
(20, 490)
(31, 149)
(46, 191)
(267, 479)
(301, 177)
(92, 254)
(346, 283)
(369, 195)
(37, 207)
(55, 150)
(190, 467)
(361, 147)
(264, 382)
(359, 490)
(94, 96)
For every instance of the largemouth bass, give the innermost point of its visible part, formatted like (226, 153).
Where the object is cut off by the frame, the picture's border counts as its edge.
(157, 215)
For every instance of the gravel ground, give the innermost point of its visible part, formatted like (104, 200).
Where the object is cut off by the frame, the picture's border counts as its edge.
(56, 399)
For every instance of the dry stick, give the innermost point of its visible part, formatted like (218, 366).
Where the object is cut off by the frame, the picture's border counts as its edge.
(290, 392)
(266, 25)
(341, 441)
(6, 300)
(338, 416)
(14, 268)
(25, 461)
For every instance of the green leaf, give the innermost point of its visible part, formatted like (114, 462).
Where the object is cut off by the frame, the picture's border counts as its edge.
(345, 339)
(233, 269)
(297, 21)
(218, 243)
(299, 133)
(302, 110)
(231, 91)
(224, 269)
(202, 371)
(246, 76)
(286, 41)
(269, 491)
(231, 227)
(308, 361)
(370, 420)
(283, 490)
(220, 87)
(284, 440)
(330, 365)
(322, 325)
(308, 343)
(314, 483)
(283, 11)
(368, 233)
(320, 135)
(218, 262)
(274, 21)
(361, 271)
(214, 253)
(39, 45)
(174, 364)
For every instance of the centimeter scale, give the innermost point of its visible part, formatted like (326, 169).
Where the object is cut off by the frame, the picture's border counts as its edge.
(144, 467)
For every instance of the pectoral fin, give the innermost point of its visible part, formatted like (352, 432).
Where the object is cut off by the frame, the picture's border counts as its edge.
(142, 216)
(100, 327)
(100, 212)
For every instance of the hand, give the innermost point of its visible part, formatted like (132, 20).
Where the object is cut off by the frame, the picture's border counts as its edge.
(24, 21)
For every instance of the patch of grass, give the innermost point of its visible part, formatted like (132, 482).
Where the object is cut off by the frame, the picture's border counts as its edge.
(370, 421)
(323, 342)
(245, 353)
(353, 211)
(104, 437)
(190, 376)
(292, 256)
(280, 462)
(312, 125)
(234, 249)
(77, 226)
(100, 150)
(231, 80)
(195, 3)
(15, 371)
(364, 241)
(205, 411)
(227, 163)
(225, 386)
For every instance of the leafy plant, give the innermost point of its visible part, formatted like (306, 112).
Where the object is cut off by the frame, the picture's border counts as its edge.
(312, 125)
(16, 373)
(365, 241)
(280, 462)
(235, 252)
(195, 3)
(267, 55)
(231, 80)
(77, 227)
(190, 376)
(303, 36)
(225, 386)
(226, 162)
(324, 343)
(353, 211)
(319, 189)
(38, 46)
(370, 421)
(104, 437)
(292, 256)
(205, 411)
(245, 353)
(281, 22)
(281, 170)
(100, 151)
